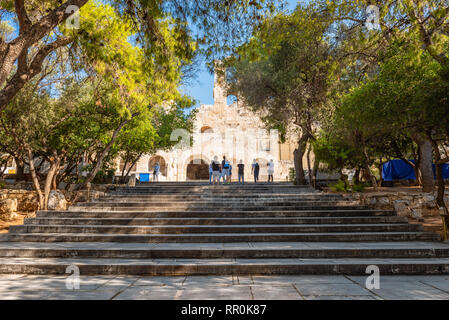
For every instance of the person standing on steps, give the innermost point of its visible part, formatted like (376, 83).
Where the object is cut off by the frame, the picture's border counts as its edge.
(241, 172)
(210, 173)
(270, 170)
(225, 169)
(230, 173)
(156, 168)
(215, 171)
(255, 170)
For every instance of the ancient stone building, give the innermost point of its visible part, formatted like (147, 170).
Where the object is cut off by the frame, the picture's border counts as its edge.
(222, 130)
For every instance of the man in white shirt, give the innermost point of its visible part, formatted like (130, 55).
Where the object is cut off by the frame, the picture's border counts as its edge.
(270, 170)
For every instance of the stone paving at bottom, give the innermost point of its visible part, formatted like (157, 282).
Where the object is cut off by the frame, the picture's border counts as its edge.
(300, 287)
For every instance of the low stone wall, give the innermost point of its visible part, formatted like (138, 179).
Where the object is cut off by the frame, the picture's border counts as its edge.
(413, 205)
(15, 200)
(26, 202)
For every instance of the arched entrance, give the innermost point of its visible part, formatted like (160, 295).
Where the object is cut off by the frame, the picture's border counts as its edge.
(162, 164)
(197, 170)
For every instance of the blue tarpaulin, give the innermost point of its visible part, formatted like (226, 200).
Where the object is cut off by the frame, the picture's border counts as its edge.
(144, 177)
(399, 170)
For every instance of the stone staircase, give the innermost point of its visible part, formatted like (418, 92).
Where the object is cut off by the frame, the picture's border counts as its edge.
(194, 228)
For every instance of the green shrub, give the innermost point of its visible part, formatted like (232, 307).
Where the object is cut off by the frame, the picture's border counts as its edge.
(339, 186)
(358, 187)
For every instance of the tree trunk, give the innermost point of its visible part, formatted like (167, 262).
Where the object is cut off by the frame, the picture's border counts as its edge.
(315, 172)
(439, 174)
(417, 166)
(368, 170)
(308, 165)
(356, 177)
(20, 168)
(425, 166)
(298, 155)
(49, 181)
(35, 179)
(125, 164)
(133, 163)
(381, 164)
(441, 186)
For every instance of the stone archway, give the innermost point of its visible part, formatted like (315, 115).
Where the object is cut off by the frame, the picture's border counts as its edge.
(197, 169)
(162, 164)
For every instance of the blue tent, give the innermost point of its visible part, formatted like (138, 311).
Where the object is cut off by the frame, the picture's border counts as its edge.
(144, 177)
(400, 170)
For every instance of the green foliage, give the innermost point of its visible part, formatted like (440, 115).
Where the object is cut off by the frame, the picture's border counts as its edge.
(292, 175)
(104, 175)
(286, 70)
(358, 187)
(339, 186)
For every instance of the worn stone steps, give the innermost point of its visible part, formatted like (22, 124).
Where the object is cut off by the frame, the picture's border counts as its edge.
(224, 251)
(212, 214)
(225, 207)
(217, 204)
(194, 228)
(225, 196)
(185, 229)
(212, 190)
(221, 237)
(214, 221)
(224, 266)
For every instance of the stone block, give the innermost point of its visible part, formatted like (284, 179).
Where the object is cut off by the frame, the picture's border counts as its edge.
(57, 201)
(383, 200)
(132, 180)
(8, 207)
(401, 207)
(416, 213)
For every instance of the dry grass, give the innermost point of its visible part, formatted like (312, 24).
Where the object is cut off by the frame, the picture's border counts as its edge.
(4, 225)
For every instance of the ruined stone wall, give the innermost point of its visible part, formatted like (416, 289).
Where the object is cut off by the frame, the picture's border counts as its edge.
(413, 205)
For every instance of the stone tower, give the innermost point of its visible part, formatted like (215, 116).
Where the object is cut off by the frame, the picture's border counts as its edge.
(220, 96)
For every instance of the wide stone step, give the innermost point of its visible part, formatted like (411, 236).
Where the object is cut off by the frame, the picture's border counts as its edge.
(113, 207)
(223, 237)
(212, 214)
(218, 203)
(220, 188)
(212, 221)
(235, 191)
(196, 199)
(184, 229)
(224, 251)
(223, 266)
(210, 197)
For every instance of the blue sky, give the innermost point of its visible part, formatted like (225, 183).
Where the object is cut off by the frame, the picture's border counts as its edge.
(201, 87)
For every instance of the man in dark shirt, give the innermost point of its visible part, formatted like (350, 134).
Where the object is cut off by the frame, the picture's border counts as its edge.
(241, 172)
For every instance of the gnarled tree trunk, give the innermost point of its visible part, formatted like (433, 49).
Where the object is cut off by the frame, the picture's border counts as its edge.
(298, 155)
(425, 163)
